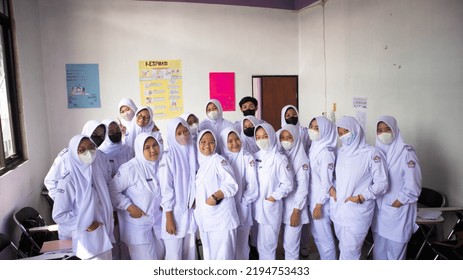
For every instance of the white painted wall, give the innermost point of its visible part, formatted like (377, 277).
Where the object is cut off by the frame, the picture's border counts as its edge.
(405, 56)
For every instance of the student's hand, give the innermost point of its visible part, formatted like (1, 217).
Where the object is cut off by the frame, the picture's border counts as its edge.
(333, 193)
(211, 201)
(317, 212)
(397, 204)
(94, 226)
(359, 199)
(123, 128)
(271, 199)
(135, 212)
(170, 223)
(295, 219)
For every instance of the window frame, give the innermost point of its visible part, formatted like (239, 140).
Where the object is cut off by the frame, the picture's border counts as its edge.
(6, 22)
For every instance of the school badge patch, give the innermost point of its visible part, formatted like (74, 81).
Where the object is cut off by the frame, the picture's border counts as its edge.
(411, 164)
(377, 159)
(252, 163)
(331, 166)
(224, 163)
(305, 167)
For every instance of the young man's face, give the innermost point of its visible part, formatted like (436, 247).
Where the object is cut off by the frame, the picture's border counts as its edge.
(248, 108)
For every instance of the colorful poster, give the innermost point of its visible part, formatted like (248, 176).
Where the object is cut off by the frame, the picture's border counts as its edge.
(83, 86)
(222, 88)
(161, 87)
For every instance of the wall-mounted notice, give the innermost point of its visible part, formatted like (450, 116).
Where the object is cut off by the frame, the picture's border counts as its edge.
(161, 87)
(83, 86)
(360, 105)
(222, 88)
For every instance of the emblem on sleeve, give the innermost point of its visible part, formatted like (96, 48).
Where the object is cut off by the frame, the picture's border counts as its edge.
(252, 163)
(377, 159)
(411, 164)
(331, 166)
(224, 163)
(305, 166)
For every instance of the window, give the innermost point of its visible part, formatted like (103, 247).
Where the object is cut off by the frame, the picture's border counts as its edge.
(10, 133)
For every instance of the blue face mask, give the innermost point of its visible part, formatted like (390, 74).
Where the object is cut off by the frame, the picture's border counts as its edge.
(347, 138)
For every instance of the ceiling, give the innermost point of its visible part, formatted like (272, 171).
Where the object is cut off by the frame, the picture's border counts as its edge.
(294, 5)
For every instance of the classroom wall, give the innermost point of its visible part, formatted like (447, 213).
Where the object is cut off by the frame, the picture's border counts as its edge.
(405, 57)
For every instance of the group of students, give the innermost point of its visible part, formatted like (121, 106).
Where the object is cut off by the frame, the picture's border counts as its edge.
(118, 194)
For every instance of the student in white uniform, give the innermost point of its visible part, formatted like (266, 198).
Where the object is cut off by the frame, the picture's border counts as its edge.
(395, 215)
(127, 109)
(215, 210)
(290, 115)
(247, 129)
(214, 120)
(82, 206)
(295, 213)
(177, 173)
(361, 177)
(322, 156)
(136, 194)
(193, 123)
(245, 172)
(117, 152)
(275, 178)
(248, 106)
(143, 122)
(60, 168)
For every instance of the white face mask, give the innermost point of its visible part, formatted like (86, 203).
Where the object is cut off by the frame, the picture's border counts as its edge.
(182, 139)
(128, 115)
(194, 128)
(87, 157)
(213, 115)
(347, 138)
(314, 135)
(287, 145)
(386, 138)
(263, 144)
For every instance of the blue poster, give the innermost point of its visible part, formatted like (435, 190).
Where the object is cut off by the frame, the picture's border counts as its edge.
(83, 86)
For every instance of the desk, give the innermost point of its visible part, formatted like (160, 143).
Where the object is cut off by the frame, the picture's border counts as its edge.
(44, 228)
(433, 223)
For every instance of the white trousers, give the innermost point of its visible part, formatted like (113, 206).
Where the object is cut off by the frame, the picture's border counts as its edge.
(323, 236)
(350, 243)
(108, 255)
(219, 245)
(267, 241)
(143, 251)
(386, 249)
(181, 248)
(291, 241)
(242, 242)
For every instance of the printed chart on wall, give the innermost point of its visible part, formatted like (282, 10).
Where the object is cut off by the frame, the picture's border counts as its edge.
(161, 87)
(360, 105)
(83, 86)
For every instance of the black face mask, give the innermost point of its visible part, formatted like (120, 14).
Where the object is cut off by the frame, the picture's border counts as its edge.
(249, 132)
(116, 137)
(292, 120)
(249, 112)
(97, 140)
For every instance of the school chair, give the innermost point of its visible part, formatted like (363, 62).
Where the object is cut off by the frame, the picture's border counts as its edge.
(6, 242)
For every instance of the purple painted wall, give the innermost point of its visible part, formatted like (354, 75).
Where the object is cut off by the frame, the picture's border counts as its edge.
(275, 4)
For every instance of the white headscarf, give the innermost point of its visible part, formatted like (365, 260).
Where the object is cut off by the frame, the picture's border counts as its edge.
(327, 137)
(395, 149)
(129, 103)
(186, 115)
(296, 155)
(267, 157)
(359, 144)
(147, 167)
(90, 126)
(235, 158)
(183, 158)
(108, 146)
(219, 110)
(249, 143)
(283, 113)
(206, 162)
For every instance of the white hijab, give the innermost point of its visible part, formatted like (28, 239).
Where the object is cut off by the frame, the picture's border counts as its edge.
(359, 144)
(249, 143)
(283, 113)
(90, 126)
(129, 103)
(183, 157)
(267, 157)
(206, 163)
(395, 149)
(327, 137)
(147, 168)
(219, 110)
(108, 146)
(296, 155)
(236, 159)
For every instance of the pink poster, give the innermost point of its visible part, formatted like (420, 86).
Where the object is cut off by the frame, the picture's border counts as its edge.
(222, 88)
